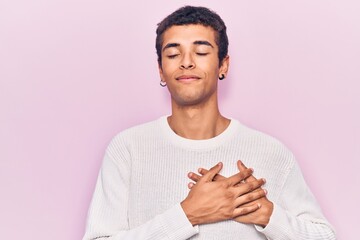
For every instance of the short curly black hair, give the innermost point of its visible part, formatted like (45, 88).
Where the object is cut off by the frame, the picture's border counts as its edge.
(194, 15)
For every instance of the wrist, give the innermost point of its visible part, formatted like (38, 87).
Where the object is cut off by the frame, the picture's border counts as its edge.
(189, 213)
(267, 215)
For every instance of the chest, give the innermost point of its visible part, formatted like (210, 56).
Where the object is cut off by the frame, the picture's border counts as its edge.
(159, 177)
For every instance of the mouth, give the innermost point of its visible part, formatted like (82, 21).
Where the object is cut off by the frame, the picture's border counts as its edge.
(187, 78)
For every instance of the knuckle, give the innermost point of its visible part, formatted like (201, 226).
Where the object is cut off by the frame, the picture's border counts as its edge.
(259, 194)
(222, 184)
(249, 186)
(229, 194)
(228, 214)
(256, 184)
(241, 211)
(249, 198)
(241, 175)
(263, 193)
(245, 198)
(260, 183)
(225, 184)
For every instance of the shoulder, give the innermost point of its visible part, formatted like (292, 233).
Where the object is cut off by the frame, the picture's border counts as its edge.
(139, 134)
(140, 130)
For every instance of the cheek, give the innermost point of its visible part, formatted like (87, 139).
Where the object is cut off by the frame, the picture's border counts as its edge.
(210, 61)
(168, 68)
(210, 67)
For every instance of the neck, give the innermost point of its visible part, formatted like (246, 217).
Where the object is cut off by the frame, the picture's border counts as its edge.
(197, 122)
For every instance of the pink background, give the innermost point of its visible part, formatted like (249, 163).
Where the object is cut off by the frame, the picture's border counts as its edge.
(74, 73)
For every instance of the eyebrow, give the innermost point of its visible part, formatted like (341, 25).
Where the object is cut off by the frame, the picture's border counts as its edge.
(170, 45)
(199, 42)
(203, 43)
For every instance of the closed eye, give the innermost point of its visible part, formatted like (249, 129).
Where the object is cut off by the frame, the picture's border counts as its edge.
(202, 54)
(172, 56)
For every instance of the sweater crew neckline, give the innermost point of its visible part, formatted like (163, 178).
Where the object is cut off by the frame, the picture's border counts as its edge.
(187, 143)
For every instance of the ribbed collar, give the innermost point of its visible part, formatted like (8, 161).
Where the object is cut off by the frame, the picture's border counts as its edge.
(210, 143)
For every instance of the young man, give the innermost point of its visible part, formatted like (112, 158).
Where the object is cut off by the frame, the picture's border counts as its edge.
(141, 191)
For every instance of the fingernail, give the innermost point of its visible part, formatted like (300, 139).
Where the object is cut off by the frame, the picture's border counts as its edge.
(251, 169)
(199, 170)
(264, 180)
(189, 174)
(266, 192)
(219, 164)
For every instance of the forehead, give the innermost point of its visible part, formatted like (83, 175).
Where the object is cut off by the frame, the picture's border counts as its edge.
(187, 34)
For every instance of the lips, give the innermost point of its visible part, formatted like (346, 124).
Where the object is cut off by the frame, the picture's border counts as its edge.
(187, 78)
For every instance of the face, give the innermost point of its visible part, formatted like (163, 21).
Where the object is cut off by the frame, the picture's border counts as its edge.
(190, 64)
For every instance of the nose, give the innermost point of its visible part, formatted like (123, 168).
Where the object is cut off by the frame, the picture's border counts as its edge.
(187, 62)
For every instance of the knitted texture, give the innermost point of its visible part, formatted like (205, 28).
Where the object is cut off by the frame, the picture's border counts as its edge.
(143, 179)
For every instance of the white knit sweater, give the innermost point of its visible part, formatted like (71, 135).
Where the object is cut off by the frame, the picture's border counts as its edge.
(143, 179)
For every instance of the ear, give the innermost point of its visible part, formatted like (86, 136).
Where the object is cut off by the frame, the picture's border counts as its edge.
(224, 67)
(160, 72)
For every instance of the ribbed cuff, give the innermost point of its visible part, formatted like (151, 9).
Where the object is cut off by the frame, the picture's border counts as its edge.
(177, 225)
(277, 226)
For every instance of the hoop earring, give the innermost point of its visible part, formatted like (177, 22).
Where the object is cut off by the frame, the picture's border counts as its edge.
(162, 83)
(222, 77)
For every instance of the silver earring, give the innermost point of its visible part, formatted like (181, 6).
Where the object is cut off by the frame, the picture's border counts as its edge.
(162, 83)
(222, 77)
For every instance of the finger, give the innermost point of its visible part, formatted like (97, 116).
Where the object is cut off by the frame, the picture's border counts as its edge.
(194, 176)
(212, 172)
(203, 171)
(238, 177)
(190, 185)
(242, 167)
(248, 187)
(246, 210)
(250, 197)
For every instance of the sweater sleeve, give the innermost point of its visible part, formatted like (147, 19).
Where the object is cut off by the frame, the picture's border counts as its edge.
(297, 214)
(108, 212)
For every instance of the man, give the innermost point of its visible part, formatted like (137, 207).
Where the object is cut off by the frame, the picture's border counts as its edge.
(141, 190)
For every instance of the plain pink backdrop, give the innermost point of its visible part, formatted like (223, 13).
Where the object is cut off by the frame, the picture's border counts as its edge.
(75, 73)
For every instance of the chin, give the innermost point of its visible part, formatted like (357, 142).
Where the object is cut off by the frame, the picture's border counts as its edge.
(191, 98)
(188, 101)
